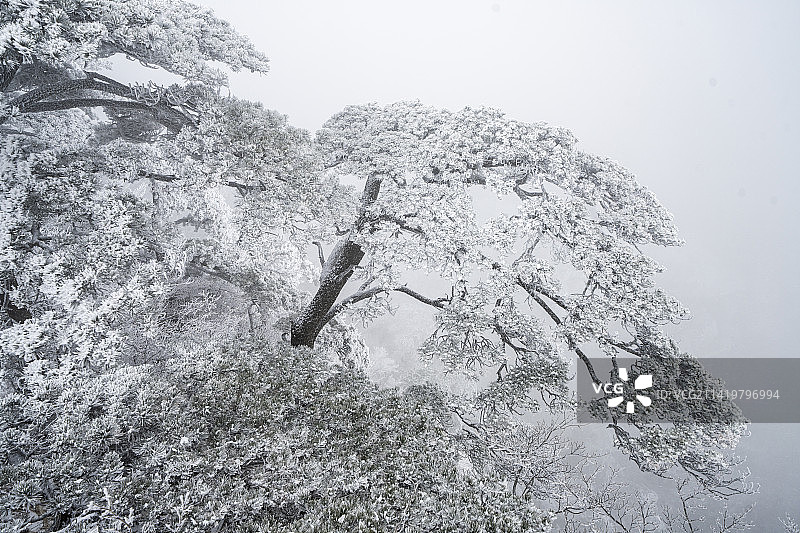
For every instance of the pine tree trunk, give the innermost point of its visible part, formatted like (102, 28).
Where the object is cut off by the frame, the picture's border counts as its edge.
(343, 259)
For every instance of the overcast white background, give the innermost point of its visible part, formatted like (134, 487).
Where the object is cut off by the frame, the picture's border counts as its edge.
(699, 99)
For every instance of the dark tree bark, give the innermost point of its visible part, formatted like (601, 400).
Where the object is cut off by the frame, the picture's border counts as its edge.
(16, 314)
(36, 101)
(9, 65)
(336, 271)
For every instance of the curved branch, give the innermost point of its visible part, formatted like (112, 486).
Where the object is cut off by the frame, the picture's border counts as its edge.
(92, 82)
(438, 303)
(174, 123)
(353, 298)
(523, 194)
(369, 293)
(32, 101)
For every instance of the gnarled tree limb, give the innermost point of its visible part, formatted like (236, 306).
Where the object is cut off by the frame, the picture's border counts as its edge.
(37, 100)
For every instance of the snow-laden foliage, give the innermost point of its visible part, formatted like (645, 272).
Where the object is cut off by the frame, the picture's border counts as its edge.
(177, 36)
(250, 437)
(78, 256)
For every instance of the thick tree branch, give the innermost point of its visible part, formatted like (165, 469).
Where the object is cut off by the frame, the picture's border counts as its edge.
(170, 120)
(166, 178)
(92, 81)
(558, 300)
(33, 101)
(523, 194)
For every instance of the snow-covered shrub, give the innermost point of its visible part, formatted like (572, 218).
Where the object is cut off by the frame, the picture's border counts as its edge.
(257, 436)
